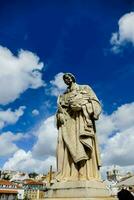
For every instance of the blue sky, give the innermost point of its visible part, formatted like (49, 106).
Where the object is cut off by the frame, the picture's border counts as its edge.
(40, 40)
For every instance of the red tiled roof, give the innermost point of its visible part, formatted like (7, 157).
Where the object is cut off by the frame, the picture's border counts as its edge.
(28, 179)
(30, 182)
(8, 192)
(5, 182)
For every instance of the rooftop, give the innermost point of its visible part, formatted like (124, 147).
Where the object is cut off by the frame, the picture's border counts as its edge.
(8, 192)
(5, 182)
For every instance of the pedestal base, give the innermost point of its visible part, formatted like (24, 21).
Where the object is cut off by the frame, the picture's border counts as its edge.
(81, 190)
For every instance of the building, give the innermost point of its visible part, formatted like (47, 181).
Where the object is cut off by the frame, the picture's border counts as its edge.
(113, 175)
(127, 183)
(117, 179)
(10, 190)
(116, 176)
(19, 178)
(8, 194)
(34, 189)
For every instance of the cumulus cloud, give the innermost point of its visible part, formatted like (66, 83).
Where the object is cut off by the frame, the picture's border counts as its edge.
(35, 112)
(24, 161)
(10, 117)
(7, 143)
(105, 127)
(125, 33)
(120, 148)
(115, 134)
(46, 139)
(18, 73)
(57, 85)
(41, 156)
(123, 116)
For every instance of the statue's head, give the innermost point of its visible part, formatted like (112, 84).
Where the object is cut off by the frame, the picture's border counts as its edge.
(69, 78)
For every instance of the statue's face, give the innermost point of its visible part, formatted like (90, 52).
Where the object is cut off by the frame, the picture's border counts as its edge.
(68, 80)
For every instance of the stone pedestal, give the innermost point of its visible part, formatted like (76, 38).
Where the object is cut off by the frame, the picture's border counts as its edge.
(78, 190)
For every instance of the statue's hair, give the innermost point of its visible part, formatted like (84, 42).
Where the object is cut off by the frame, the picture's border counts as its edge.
(71, 75)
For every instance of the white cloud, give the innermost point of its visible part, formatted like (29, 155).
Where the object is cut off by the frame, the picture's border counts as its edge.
(24, 161)
(18, 73)
(119, 148)
(125, 33)
(123, 118)
(117, 121)
(57, 85)
(7, 145)
(115, 132)
(10, 117)
(42, 154)
(46, 139)
(35, 112)
(105, 127)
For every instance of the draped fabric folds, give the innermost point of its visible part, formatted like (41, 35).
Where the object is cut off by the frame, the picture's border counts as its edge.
(77, 147)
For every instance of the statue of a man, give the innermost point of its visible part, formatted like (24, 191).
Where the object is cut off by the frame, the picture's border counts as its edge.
(77, 148)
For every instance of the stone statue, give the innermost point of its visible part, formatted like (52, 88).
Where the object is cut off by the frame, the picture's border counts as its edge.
(78, 159)
(77, 148)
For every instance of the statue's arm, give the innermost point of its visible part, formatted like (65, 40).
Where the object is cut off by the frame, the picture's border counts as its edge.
(59, 113)
(94, 106)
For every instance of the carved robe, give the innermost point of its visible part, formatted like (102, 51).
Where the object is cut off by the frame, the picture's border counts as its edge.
(77, 148)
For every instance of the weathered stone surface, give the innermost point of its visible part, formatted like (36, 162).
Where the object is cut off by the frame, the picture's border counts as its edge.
(78, 190)
(78, 160)
(78, 155)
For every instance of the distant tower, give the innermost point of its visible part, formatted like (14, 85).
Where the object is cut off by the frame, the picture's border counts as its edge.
(112, 175)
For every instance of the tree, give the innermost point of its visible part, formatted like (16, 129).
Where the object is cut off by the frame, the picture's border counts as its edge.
(33, 175)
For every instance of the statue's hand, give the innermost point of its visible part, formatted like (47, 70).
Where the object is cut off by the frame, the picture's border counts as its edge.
(75, 107)
(60, 119)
